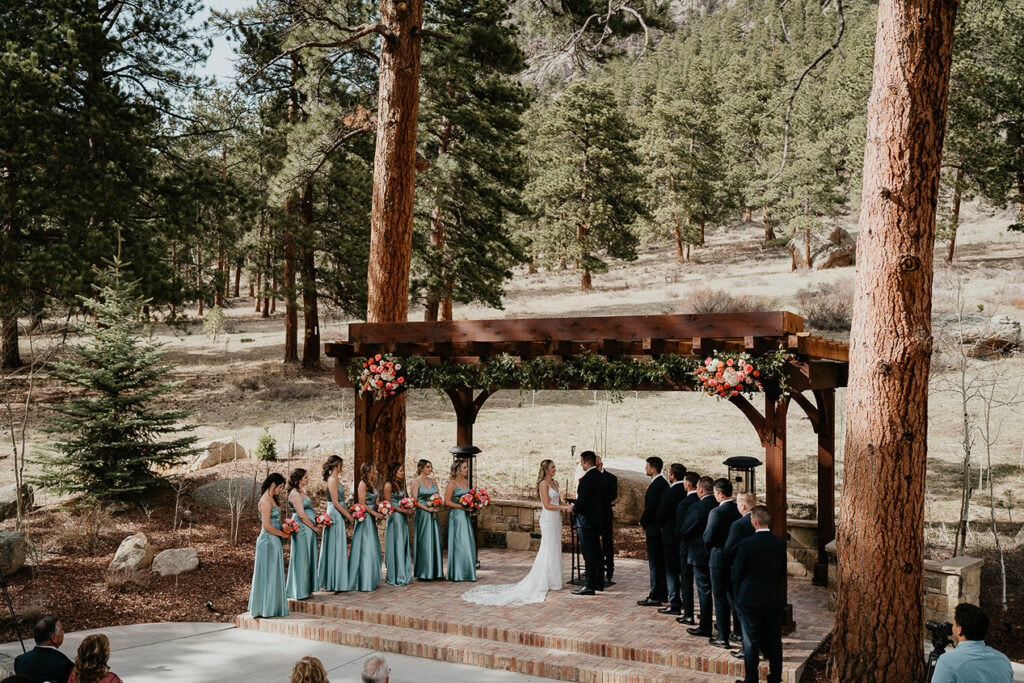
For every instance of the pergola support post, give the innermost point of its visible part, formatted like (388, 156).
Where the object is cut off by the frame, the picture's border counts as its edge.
(364, 422)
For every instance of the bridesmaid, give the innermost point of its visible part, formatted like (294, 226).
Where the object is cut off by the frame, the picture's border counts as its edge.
(364, 560)
(266, 596)
(332, 572)
(428, 531)
(461, 546)
(397, 556)
(302, 566)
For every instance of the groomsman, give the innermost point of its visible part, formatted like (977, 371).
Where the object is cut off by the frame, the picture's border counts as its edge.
(655, 559)
(715, 535)
(757, 573)
(611, 492)
(666, 520)
(740, 529)
(692, 531)
(685, 570)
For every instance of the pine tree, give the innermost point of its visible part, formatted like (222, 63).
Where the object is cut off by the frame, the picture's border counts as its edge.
(109, 439)
(470, 132)
(585, 193)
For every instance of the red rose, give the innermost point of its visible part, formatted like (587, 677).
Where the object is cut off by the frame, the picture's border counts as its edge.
(377, 357)
(755, 373)
(380, 383)
(729, 362)
(748, 368)
(401, 380)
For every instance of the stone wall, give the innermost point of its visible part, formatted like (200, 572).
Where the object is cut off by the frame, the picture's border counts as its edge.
(802, 548)
(510, 524)
(947, 583)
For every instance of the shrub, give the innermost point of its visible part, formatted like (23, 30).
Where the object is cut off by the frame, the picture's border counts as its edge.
(266, 449)
(706, 300)
(247, 383)
(827, 306)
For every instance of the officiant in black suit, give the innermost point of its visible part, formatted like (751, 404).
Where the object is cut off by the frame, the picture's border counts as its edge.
(648, 520)
(692, 531)
(666, 520)
(758, 572)
(611, 492)
(589, 509)
(720, 520)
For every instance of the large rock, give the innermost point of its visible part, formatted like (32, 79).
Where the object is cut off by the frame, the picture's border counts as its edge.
(227, 492)
(12, 551)
(629, 506)
(176, 561)
(801, 508)
(9, 503)
(134, 553)
(834, 249)
(983, 336)
(216, 452)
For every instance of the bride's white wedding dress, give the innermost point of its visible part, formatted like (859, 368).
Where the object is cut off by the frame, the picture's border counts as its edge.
(546, 574)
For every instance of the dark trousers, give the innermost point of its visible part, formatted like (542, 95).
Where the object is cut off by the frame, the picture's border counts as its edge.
(720, 588)
(762, 630)
(590, 546)
(656, 565)
(737, 623)
(608, 545)
(702, 579)
(673, 578)
(686, 583)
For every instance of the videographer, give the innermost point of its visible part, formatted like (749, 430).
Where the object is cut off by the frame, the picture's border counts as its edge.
(972, 661)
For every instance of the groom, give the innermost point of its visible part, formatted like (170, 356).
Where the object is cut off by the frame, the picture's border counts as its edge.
(589, 520)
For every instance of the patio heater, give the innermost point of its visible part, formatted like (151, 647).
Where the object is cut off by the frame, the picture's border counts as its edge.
(469, 452)
(741, 472)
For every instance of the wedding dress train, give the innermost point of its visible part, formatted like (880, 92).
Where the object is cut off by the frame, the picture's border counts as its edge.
(544, 576)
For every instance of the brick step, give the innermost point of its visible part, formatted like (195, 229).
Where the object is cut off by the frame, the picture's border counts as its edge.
(696, 656)
(531, 660)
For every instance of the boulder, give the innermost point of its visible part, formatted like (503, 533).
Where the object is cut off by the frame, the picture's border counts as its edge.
(12, 551)
(801, 508)
(629, 506)
(984, 336)
(1018, 540)
(224, 492)
(832, 250)
(134, 553)
(176, 561)
(8, 502)
(216, 452)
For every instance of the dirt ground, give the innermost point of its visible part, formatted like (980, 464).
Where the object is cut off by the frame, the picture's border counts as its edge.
(237, 386)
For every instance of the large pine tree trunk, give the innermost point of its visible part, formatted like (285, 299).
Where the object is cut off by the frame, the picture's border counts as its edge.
(394, 170)
(769, 231)
(880, 539)
(954, 219)
(238, 278)
(437, 227)
(291, 314)
(199, 282)
(10, 355)
(310, 312)
(679, 241)
(218, 292)
(1020, 193)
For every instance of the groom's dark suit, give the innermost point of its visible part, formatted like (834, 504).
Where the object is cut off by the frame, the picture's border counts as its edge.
(589, 521)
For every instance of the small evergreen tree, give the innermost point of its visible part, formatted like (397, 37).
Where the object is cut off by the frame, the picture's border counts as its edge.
(266, 448)
(585, 193)
(111, 441)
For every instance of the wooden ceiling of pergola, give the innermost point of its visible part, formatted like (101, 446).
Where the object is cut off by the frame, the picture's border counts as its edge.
(823, 361)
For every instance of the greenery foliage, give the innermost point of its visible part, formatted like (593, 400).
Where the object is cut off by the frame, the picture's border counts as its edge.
(266, 447)
(110, 442)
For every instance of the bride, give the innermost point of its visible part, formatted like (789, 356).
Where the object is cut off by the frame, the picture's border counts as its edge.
(546, 573)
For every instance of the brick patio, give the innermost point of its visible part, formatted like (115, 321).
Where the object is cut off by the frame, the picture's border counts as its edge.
(606, 638)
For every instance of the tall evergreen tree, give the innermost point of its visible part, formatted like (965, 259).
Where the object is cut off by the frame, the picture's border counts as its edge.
(470, 123)
(586, 191)
(109, 438)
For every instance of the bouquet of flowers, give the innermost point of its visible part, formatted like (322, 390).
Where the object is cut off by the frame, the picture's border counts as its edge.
(406, 503)
(323, 519)
(290, 526)
(466, 501)
(385, 507)
(382, 375)
(358, 512)
(436, 501)
(481, 498)
(728, 376)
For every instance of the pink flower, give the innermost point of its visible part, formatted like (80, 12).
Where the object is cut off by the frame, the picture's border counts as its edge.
(748, 368)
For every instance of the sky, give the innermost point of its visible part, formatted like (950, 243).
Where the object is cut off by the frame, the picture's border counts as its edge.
(219, 64)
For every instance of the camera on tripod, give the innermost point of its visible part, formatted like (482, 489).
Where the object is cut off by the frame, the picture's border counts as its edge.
(941, 632)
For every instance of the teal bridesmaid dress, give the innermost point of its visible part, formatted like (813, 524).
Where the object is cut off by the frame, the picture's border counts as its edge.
(397, 555)
(332, 572)
(461, 546)
(428, 540)
(364, 560)
(302, 567)
(266, 596)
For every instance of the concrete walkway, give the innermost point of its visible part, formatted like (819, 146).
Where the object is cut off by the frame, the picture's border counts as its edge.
(199, 651)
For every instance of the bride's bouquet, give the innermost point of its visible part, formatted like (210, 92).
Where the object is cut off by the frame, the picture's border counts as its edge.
(323, 519)
(358, 512)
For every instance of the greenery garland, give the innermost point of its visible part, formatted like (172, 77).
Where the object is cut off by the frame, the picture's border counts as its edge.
(590, 369)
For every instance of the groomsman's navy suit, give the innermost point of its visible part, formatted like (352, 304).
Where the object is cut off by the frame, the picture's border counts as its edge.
(666, 521)
(757, 573)
(692, 531)
(740, 529)
(685, 570)
(611, 492)
(589, 508)
(715, 535)
(655, 558)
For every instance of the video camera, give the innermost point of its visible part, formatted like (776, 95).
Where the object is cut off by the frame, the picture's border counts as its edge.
(942, 635)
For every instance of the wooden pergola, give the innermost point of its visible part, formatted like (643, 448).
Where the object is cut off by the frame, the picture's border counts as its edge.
(817, 368)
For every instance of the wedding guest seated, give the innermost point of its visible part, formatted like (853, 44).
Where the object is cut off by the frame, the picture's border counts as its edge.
(972, 661)
(45, 662)
(376, 670)
(91, 665)
(309, 670)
